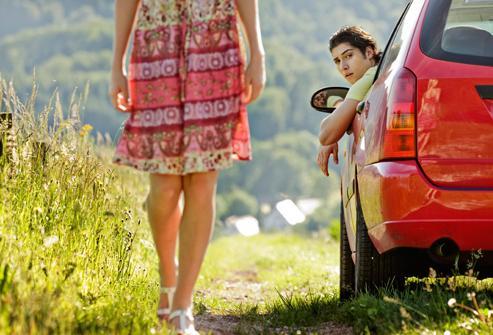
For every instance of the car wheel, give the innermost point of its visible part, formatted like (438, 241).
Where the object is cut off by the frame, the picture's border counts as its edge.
(346, 264)
(373, 270)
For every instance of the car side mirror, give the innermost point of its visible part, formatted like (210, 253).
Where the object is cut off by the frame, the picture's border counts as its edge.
(322, 96)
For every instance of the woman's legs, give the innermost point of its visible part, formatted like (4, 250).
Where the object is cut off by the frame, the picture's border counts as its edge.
(164, 217)
(195, 232)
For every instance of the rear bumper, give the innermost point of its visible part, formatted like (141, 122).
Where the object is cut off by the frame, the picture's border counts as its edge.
(402, 209)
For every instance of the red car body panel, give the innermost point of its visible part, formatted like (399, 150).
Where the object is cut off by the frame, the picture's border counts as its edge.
(455, 125)
(446, 191)
(403, 209)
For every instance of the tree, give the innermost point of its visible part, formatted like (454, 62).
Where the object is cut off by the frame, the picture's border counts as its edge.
(69, 44)
(268, 116)
(240, 203)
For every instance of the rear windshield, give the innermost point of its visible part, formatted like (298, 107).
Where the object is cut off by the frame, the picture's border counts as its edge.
(459, 31)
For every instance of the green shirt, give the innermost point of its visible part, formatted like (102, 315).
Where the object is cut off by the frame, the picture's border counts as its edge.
(361, 87)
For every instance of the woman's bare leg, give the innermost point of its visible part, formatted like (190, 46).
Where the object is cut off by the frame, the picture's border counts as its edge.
(164, 217)
(195, 232)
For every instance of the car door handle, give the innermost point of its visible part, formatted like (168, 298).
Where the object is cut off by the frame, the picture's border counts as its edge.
(485, 91)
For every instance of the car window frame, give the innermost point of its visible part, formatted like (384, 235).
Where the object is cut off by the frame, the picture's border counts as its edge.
(391, 40)
(433, 29)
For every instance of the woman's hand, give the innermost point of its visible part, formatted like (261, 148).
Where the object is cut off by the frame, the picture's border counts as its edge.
(125, 12)
(255, 72)
(119, 91)
(254, 78)
(323, 156)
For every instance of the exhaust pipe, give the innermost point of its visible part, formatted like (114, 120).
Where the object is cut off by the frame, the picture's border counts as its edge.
(444, 251)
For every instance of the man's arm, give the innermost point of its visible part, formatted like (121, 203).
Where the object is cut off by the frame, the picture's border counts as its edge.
(333, 127)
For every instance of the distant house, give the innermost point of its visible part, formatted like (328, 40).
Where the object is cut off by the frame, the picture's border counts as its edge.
(287, 213)
(244, 225)
(309, 205)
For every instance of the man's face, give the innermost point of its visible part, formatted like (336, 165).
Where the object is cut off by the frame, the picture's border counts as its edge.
(350, 62)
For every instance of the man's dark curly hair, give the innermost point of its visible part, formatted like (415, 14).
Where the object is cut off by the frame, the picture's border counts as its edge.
(358, 38)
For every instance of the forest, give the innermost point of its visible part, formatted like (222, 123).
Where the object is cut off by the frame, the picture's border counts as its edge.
(64, 45)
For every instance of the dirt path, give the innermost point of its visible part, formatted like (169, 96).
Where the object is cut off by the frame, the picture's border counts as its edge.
(227, 325)
(245, 287)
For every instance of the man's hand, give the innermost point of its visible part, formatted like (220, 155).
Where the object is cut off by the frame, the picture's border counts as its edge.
(323, 156)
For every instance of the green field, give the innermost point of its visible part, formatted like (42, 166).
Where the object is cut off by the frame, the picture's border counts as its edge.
(76, 256)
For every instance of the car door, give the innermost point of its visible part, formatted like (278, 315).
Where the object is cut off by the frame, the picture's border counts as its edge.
(364, 148)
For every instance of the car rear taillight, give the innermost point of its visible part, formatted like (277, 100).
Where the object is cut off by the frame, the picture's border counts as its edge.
(400, 132)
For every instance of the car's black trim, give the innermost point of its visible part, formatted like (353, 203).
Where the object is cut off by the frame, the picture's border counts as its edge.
(485, 91)
(432, 34)
(391, 40)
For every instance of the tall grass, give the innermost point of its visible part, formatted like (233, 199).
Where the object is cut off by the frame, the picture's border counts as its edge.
(458, 305)
(73, 256)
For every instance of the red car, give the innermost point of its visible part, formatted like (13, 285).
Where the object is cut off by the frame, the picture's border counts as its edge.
(417, 173)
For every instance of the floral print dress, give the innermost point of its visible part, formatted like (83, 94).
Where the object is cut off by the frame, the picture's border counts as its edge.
(185, 84)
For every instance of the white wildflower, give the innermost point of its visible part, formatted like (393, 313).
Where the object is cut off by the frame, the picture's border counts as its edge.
(50, 241)
(451, 302)
(147, 244)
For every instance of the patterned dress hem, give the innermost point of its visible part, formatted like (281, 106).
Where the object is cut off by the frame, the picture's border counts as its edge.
(218, 160)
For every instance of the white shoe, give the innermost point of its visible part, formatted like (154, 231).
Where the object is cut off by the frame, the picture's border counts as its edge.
(163, 314)
(183, 315)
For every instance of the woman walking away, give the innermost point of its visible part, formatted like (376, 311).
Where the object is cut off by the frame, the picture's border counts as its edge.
(186, 94)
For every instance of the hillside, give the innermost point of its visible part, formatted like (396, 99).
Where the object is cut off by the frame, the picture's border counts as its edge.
(67, 43)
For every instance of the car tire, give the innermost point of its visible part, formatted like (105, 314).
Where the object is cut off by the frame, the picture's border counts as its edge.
(373, 270)
(346, 264)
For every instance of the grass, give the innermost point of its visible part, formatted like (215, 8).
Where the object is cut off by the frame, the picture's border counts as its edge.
(72, 256)
(422, 308)
(298, 292)
(308, 262)
(261, 279)
(76, 255)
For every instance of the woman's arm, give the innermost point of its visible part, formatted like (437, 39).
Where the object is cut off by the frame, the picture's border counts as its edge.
(255, 73)
(332, 128)
(124, 17)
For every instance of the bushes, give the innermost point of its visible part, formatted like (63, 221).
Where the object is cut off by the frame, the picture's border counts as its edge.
(237, 203)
